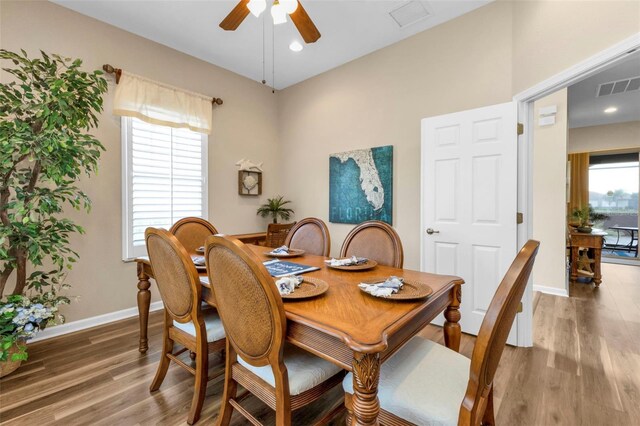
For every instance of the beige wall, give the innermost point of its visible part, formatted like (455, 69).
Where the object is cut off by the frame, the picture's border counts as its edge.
(482, 58)
(380, 99)
(604, 138)
(243, 127)
(550, 194)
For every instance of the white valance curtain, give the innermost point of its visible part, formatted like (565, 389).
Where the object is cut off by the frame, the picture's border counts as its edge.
(162, 104)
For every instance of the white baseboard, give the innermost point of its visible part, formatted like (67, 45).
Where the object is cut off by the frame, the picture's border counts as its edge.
(562, 292)
(83, 324)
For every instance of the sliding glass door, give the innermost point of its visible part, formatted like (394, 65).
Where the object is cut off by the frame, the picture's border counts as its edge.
(613, 194)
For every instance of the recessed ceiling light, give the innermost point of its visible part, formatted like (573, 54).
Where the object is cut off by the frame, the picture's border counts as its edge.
(295, 46)
(610, 110)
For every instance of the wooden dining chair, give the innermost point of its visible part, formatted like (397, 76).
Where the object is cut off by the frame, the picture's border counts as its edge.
(192, 232)
(375, 240)
(427, 383)
(277, 233)
(311, 235)
(185, 323)
(281, 375)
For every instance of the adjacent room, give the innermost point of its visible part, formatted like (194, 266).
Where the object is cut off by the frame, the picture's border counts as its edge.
(305, 212)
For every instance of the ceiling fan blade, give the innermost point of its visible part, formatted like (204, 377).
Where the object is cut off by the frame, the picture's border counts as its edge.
(305, 25)
(235, 18)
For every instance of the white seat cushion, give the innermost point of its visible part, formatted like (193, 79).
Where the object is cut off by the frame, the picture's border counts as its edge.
(423, 382)
(305, 370)
(212, 322)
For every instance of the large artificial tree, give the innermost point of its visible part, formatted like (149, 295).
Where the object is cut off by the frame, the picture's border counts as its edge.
(46, 113)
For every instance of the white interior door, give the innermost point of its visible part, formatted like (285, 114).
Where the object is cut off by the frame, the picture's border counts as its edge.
(469, 202)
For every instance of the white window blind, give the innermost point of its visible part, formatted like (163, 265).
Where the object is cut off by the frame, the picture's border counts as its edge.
(164, 179)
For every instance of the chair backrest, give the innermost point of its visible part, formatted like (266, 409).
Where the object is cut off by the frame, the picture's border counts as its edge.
(277, 233)
(493, 334)
(247, 299)
(175, 274)
(375, 240)
(311, 235)
(192, 232)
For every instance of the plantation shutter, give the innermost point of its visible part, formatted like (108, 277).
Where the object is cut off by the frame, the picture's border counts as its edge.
(166, 174)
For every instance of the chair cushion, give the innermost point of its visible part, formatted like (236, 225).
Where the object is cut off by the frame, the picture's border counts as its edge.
(423, 382)
(212, 322)
(305, 370)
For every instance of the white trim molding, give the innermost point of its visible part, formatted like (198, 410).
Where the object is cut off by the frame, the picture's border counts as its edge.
(83, 324)
(555, 291)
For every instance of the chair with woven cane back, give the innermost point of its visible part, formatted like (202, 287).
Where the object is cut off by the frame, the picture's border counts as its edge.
(281, 375)
(185, 323)
(192, 232)
(375, 240)
(311, 235)
(426, 383)
(277, 233)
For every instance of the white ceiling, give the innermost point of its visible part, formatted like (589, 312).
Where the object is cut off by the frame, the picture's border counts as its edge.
(349, 29)
(585, 109)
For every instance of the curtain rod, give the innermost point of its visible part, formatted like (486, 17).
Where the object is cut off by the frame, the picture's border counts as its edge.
(110, 69)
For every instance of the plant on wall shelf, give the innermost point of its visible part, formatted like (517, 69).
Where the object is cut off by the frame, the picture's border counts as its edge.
(275, 208)
(46, 113)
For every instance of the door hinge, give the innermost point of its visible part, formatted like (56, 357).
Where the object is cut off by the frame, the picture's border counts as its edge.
(519, 218)
(520, 307)
(520, 129)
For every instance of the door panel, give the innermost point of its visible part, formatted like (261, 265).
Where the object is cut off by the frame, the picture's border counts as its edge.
(469, 197)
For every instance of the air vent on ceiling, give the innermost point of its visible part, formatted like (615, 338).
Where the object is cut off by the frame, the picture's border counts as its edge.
(619, 86)
(409, 13)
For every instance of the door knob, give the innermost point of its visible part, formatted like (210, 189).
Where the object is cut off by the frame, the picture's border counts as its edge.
(431, 231)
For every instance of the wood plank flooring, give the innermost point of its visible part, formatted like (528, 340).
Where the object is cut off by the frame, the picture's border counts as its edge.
(584, 369)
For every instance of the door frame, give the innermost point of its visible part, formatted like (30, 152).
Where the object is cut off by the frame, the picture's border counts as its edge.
(524, 103)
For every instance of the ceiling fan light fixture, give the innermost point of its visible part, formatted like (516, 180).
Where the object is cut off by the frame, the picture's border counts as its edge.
(278, 13)
(295, 46)
(256, 7)
(290, 6)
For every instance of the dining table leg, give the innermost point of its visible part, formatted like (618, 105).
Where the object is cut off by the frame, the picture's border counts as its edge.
(144, 301)
(366, 374)
(452, 332)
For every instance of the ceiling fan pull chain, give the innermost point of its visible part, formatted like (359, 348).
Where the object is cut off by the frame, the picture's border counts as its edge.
(273, 60)
(263, 48)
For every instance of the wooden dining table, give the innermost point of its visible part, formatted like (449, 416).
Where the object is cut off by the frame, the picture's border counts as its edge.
(346, 326)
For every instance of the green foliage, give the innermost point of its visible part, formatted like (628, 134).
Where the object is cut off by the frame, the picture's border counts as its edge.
(275, 208)
(587, 215)
(46, 113)
(20, 319)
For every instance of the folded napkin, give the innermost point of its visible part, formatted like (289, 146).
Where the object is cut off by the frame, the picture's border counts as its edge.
(199, 260)
(349, 261)
(287, 285)
(280, 250)
(384, 288)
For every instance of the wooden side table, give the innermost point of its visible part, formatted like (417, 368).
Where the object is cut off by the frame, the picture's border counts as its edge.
(593, 242)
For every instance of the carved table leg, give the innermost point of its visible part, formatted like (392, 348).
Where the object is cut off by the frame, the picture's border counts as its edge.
(366, 374)
(574, 263)
(144, 300)
(597, 267)
(452, 316)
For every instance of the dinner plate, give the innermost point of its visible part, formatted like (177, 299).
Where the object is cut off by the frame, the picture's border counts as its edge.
(411, 290)
(292, 253)
(369, 264)
(310, 287)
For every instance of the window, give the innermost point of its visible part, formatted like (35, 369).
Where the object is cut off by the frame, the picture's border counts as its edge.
(164, 179)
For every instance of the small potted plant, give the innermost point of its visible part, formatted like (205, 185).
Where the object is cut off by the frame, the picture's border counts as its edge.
(275, 208)
(585, 217)
(21, 319)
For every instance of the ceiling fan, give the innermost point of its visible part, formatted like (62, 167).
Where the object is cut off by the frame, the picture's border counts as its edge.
(279, 11)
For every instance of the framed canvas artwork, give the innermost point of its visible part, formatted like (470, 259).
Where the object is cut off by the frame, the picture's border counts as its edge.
(361, 185)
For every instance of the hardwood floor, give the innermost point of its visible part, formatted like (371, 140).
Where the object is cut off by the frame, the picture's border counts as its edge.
(584, 369)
